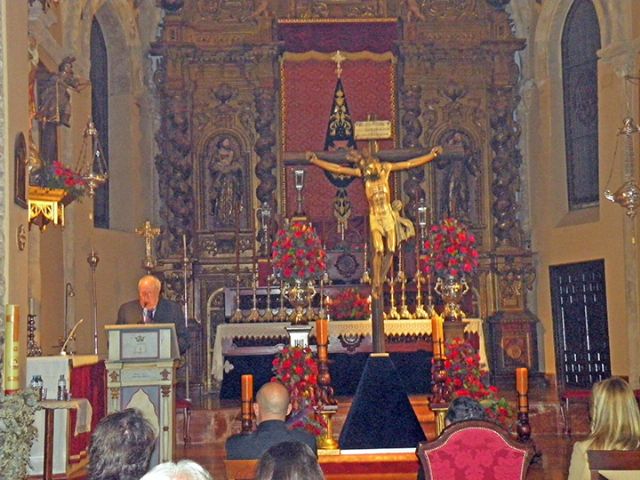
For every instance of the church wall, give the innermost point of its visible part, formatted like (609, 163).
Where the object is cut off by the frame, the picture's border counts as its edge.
(14, 121)
(59, 256)
(560, 236)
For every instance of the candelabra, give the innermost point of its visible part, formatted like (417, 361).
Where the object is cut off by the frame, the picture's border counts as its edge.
(237, 315)
(282, 313)
(33, 349)
(401, 279)
(268, 313)
(365, 278)
(254, 315)
(393, 311)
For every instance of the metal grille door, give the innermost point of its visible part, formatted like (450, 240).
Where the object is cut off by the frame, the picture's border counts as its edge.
(580, 323)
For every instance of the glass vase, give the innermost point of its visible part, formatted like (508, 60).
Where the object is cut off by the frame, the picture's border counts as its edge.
(452, 289)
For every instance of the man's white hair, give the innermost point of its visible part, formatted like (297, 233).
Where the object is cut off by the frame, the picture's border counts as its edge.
(183, 470)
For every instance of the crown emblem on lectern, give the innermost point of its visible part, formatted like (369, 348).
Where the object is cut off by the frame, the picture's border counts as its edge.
(140, 338)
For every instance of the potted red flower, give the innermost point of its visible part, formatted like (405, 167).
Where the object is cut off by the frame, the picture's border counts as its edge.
(451, 255)
(450, 250)
(298, 259)
(466, 377)
(297, 369)
(349, 304)
(297, 254)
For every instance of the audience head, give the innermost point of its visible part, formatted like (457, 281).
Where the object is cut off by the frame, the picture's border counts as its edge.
(183, 470)
(121, 446)
(289, 461)
(615, 417)
(464, 408)
(149, 291)
(272, 402)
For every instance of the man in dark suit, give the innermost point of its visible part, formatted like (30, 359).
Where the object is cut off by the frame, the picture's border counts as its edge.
(151, 308)
(271, 408)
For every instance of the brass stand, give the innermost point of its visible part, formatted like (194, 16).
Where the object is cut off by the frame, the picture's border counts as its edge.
(246, 415)
(441, 394)
(329, 403)
(326, 440)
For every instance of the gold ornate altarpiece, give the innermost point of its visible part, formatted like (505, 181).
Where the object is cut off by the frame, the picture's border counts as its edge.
(457, 85)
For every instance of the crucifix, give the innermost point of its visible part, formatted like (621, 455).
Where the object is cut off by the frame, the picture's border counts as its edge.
(149, 233)
(388, 228)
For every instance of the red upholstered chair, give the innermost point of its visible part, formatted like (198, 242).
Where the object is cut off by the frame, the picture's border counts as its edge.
(474, 450)
(184, 406)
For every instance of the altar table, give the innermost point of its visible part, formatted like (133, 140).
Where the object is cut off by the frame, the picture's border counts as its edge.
(340, 331)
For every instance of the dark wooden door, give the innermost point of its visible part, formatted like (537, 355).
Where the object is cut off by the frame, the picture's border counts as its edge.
(580, 324)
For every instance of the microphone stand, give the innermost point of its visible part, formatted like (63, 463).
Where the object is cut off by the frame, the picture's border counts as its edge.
(71, 335)
(185, 262)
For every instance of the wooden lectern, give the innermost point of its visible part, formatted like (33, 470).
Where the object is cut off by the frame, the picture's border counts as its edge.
(141, 373)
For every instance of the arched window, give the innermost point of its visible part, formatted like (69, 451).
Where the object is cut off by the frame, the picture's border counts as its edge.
(100, 112)
(580, 44)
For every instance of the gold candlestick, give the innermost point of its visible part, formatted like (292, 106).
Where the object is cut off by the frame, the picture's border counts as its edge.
(393, 311)
(282, 313)
(268, 313)
(254, 314)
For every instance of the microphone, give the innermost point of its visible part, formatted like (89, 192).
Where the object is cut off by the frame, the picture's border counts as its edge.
(70, 336)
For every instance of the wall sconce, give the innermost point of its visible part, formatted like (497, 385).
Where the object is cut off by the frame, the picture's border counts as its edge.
(628, 195)
(92, 164)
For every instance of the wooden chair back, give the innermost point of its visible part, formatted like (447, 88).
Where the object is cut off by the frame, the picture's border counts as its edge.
(240, 469)
(614, 460)
(462, 451)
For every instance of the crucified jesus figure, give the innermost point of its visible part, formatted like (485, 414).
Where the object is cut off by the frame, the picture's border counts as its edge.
(388, 227)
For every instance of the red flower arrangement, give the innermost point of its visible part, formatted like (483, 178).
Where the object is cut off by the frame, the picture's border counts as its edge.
(59, 176)
(349, 304)
(450, 250)
(467, 378)
(297, 253)
(297, 370)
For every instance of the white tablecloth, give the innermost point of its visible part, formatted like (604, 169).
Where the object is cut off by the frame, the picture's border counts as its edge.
(228, 331)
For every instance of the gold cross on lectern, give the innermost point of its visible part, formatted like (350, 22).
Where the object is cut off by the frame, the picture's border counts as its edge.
(149, 233)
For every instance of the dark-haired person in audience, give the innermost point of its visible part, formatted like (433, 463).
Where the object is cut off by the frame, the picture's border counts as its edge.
(271, 409)
(615, 425)
(464, 408)
(121, 446)
(289, 461)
